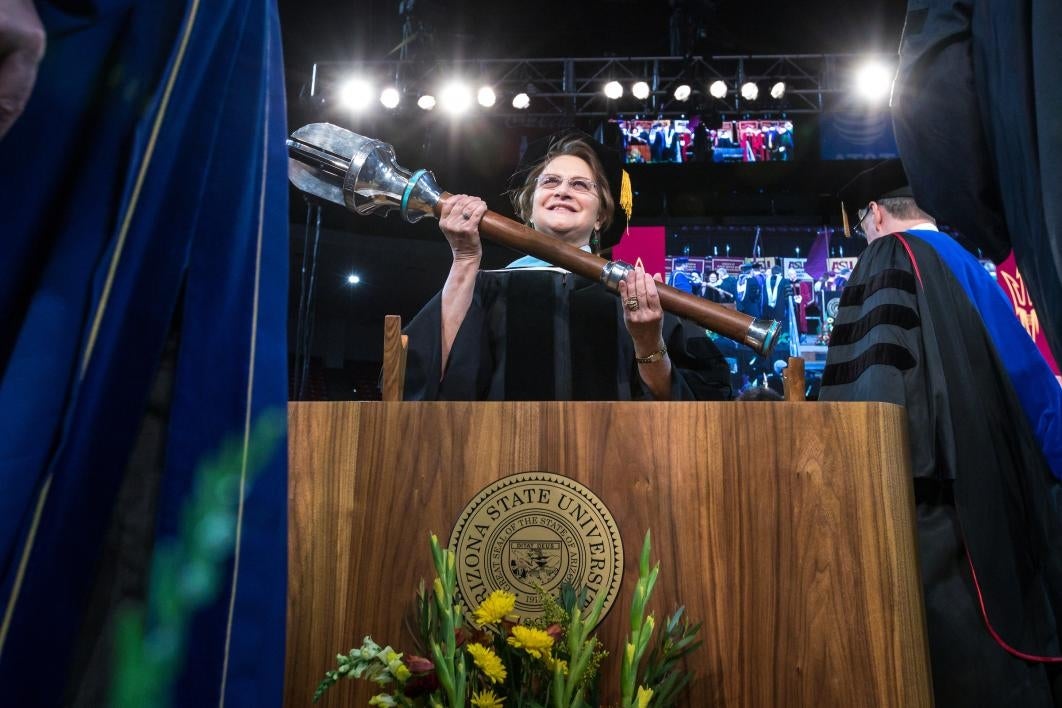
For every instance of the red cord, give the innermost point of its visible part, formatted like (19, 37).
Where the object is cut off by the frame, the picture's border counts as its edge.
(910, 254)
(995, 635)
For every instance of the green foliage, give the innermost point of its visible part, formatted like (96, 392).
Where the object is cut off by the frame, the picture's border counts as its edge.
(186, 570)
(553, 663)
(663, 671)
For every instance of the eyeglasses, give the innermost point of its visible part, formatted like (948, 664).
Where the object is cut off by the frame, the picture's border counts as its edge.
(580, 185)
(862, 214)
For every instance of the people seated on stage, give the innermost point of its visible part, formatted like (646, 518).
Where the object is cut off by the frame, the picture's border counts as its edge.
(535, 332)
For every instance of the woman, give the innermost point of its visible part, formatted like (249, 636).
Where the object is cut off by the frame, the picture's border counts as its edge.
(534, 332)
(713, 289)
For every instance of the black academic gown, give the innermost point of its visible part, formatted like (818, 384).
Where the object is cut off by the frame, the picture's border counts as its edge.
(542, 334)
(985, 497)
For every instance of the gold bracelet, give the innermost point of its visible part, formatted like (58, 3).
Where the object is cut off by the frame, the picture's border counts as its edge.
(654, 357)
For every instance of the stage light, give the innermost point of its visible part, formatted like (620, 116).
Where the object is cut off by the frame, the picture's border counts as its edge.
(486, 96)
(455, 97)
(426, 102)
(778, 90)
(682, 92)
(521, 101)
(355, 94)
(750, 91)
(640, 90)
(718, 89)
(873, 81)
(390, 97)
(613, 90)
(353, 279)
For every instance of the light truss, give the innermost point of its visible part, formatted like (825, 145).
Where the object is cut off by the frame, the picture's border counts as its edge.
(572, 86)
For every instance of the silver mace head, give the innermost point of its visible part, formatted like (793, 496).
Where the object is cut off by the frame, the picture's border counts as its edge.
(360, 173)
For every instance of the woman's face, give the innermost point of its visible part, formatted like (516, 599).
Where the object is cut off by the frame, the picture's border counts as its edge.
(713, 278)
(563, 211)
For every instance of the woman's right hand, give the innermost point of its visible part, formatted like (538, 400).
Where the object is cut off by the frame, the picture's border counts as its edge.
(459, 221)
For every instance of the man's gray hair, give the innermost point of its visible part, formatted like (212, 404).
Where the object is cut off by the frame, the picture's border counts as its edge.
(904, 209)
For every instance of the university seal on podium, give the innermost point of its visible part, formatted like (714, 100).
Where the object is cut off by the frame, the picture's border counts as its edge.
(536, 530)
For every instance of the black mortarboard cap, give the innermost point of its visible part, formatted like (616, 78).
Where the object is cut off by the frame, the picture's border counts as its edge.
(619, 184)
(885, 180)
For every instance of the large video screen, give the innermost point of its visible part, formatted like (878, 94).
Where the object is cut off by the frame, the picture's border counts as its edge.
(694, 140)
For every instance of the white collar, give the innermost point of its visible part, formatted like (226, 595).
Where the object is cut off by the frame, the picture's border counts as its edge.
(924, 226)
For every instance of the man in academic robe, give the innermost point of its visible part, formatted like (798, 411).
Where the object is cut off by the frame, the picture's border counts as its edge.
(728, 283)
(802, 294)
(777, 290)
(750, 290)
(921, 324)
(683, 280)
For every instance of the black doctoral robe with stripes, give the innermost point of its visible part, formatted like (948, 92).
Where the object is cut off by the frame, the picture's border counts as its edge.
(989, 529)
(544, 335)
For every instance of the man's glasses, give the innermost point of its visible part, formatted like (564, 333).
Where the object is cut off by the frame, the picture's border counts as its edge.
(862, 214)
(576, 184)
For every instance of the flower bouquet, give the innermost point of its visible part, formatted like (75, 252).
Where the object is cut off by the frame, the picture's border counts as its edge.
(492, 658)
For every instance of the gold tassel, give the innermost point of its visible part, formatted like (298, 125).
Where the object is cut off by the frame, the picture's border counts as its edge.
(626, 195)
(844, 221)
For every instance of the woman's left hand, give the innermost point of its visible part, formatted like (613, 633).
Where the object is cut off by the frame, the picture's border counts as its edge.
(641, 311)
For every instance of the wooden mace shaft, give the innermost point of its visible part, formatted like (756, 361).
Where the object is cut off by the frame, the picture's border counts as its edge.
(500, 229)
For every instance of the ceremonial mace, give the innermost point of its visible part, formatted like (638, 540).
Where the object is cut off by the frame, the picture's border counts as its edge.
(360, 173)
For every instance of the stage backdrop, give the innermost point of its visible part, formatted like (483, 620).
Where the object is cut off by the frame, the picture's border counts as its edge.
(644, 245)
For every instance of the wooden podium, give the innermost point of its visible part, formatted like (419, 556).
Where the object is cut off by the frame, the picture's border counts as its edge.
(788, 528)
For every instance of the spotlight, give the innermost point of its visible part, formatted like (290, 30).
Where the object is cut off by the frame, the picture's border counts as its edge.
(640, 90)
(718, 89)
(613, 90)
(486, 96)
(353, 279)
(682, 93)
(873, 81)
(355, 94)
(455, 97)
(389, 97)
(521, 101)
(778, 90)
(426, 102)
(750, 91)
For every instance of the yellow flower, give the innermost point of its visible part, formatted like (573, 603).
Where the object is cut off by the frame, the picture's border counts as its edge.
(494, 609)
(488, 662)
(551, 663)
(644, 694)
(535, 642)
(487, 699)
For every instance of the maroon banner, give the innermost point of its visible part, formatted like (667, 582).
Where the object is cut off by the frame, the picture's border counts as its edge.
(1013, 286)
(644, 246)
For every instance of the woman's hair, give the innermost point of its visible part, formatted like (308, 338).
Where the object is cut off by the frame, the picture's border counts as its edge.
(523, 197)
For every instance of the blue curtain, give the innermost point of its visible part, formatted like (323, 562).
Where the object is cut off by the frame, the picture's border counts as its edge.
(147, 176)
